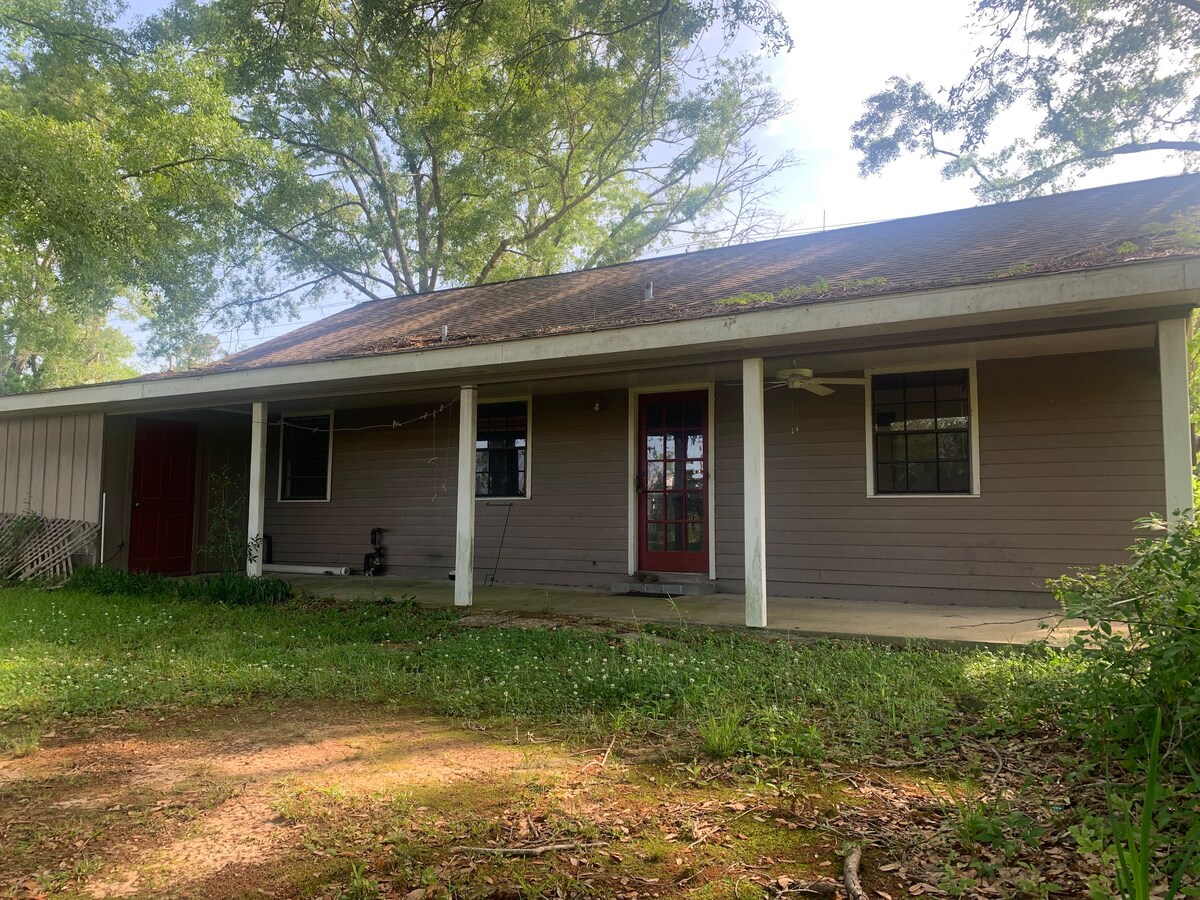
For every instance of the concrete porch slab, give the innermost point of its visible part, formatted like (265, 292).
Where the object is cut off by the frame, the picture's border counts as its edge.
(877, 620)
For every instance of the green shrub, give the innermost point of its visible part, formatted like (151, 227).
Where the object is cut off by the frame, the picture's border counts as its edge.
(114, 582)
(1143, 641)
(234, 588)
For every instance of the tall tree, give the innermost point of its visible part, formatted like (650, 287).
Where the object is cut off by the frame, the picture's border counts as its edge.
(451, 142)
(120, 175)
(225, 162)
(1104, 79)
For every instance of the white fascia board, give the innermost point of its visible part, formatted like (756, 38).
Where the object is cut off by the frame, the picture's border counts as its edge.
(1021, 299)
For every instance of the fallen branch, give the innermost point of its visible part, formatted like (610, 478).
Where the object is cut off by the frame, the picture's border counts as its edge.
(853, 885)
(527, 851)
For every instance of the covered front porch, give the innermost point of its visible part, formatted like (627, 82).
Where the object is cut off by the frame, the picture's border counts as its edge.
(879, 621)
(475, 492)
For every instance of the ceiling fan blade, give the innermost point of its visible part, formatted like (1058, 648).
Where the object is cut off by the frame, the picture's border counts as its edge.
(842, 380)
(817, 388)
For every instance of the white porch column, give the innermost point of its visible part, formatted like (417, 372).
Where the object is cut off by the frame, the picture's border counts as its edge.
(1176, 417)
(464, 540)
(258, 486)
(754, 496)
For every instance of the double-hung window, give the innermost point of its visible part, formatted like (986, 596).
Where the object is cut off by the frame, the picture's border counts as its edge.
(305, 451)
(502, 449)
(922, 441)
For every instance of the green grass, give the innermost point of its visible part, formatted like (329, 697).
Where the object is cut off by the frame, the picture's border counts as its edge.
(72, 653)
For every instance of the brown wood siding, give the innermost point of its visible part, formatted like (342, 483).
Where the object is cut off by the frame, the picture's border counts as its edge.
(570, 531)
(1070, 455)
(51, 466)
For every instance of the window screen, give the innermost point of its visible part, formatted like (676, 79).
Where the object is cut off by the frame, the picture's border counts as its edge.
(922, 432)
(501, 449)
(304, 457)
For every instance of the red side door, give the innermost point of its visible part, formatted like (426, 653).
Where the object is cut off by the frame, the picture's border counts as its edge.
(164, 497)
(673, 502)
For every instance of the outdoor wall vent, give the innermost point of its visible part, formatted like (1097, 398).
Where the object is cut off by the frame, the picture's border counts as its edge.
(445, 333)
(649, 291)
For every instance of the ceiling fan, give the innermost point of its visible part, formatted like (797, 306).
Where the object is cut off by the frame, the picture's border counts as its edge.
(805, 380)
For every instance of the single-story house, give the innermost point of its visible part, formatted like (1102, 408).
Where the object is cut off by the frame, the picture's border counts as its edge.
(950, 408)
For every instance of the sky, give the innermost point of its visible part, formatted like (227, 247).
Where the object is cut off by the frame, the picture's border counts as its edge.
(844, 52)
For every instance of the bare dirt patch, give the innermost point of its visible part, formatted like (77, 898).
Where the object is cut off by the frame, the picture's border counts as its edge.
(331, 801)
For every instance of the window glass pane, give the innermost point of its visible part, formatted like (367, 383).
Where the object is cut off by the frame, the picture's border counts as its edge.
(502, 433)
(654, 446)
(674, 477)
(920, 417)
(656, 507)
(922, 447)
(693, 413)
(695, 475)
(655, 539)
(953, 476)
(675, 506)
(654, 476)
(922, 425)
(695, 445)
(674, 533)
(304, 457)
(922, 478)
(695, 506)
(670, 444)
(952, 446)
(695, 537)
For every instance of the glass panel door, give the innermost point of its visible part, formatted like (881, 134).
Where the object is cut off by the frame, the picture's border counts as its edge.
(672, 482)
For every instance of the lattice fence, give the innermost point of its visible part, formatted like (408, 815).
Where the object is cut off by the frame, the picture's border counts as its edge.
(33, 547)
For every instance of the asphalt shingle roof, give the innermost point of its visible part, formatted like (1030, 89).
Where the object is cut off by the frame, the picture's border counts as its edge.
(1103, 226)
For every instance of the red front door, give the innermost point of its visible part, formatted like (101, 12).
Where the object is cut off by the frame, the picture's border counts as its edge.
(673, 506)
(164, 497)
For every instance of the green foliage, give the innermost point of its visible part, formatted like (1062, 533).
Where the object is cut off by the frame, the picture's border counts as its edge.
(121, 175)
(722, 736)
(224, 544)
(233, 588)
(431, 146)
(819, 288)
(78, 652)
(12, 537)
(1138, 841)
(1143, 633)
(1104, 78)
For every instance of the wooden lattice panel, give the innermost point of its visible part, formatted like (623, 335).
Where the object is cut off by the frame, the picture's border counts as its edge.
(32, 547)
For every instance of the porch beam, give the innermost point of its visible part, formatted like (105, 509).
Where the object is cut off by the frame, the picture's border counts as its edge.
(258, 489)
(464, 539)
(754, 494)
(1176, 415)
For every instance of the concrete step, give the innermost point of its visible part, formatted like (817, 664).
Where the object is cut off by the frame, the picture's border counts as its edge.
(673, 585)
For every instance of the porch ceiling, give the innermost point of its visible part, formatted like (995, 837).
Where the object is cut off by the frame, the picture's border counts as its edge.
(730, 371)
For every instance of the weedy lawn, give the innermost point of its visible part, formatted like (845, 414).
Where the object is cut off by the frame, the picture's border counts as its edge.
(320, 748)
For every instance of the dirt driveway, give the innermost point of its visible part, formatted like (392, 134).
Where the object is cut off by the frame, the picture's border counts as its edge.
(331, 801)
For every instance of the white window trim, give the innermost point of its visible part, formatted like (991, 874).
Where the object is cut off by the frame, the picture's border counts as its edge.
(710, 467)
(329, 454)
(527, 399)
(973, 426)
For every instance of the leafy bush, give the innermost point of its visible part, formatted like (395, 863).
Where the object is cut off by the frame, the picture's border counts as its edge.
(114, 582)
(1143, 638)
(234, 588)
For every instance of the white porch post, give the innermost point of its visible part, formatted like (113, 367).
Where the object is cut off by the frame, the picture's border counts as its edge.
(464, 541)
(1176, 418)
(754, 495)
(258, 486)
